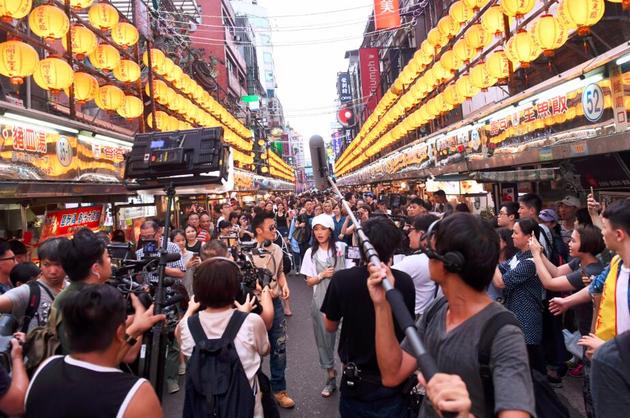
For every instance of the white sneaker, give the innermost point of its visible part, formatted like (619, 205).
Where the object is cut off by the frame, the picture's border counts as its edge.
(172, 387)
(182, 369)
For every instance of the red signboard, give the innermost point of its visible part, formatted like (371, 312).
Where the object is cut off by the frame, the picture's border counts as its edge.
(65, 222)
(386, 14)
(370, 78)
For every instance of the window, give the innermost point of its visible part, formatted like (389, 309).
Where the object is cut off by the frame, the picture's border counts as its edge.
(267, 58)
(269, 76)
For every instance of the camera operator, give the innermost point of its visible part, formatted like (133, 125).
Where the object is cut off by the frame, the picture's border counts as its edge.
(13, 387)
(265, 233)
(30, 303)
(452, 326)
(347, 299)
(417, 265)
(151, 231)
(88, 383)
(86, 261)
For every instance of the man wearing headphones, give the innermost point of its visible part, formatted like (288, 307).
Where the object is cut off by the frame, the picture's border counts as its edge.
(452, 328)
(264, 226)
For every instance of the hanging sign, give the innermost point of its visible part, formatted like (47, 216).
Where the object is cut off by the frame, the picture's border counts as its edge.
(386, 14)
(593, 102)
(62, 223)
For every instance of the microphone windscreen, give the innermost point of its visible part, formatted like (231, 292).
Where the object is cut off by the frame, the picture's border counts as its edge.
(320, 162)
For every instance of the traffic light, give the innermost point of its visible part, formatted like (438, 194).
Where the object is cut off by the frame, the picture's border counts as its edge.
(345, 116)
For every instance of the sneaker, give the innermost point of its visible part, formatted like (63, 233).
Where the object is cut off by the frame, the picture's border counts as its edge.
(182, 369)
(577, 371)
(172, 387)
(283, 399)
(330, 387)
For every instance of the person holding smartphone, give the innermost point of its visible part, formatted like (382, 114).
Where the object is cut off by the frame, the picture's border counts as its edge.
(319, 264)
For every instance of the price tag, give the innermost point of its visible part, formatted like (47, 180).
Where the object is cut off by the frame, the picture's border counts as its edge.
(593, 102)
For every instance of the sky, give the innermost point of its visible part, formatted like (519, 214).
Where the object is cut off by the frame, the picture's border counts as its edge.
(307, 74)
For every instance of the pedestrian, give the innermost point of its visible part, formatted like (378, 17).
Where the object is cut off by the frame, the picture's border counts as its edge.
(321, 261)
(347, 302)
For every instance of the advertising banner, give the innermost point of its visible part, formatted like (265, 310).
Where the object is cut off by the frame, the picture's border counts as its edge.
(386, 14)
(343, 88)
(370, 78)
(32, 153)
(65, 222)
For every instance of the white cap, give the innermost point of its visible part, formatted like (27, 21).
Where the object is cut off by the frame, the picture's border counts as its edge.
(571, 201)
(324, 220)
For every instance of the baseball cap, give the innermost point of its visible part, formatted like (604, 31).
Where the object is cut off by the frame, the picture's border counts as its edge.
(570, 201)
(548, 215)
(324, 220)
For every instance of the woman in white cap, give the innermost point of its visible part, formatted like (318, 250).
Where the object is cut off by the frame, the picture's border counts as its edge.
(318, 265)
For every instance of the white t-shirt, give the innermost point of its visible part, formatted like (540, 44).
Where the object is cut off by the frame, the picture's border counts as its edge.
(251, 342)
(417, 266)
(623, 310)
(308, 266)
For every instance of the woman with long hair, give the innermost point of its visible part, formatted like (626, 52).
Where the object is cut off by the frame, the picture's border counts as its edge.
(282, 220)
(318, 265)
(522, 290)
(192, 243)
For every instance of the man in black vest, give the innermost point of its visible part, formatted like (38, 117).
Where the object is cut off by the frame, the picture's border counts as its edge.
(94, 320)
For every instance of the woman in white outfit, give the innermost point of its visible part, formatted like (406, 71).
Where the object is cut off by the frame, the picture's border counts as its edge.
(319, 264)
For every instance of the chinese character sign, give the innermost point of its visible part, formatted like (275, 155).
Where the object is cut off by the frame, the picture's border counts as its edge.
(61, 223)
(343, 87)
(386, 14)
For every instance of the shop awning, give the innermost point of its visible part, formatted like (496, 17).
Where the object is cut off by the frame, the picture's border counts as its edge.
(15, 192)
(512, 176)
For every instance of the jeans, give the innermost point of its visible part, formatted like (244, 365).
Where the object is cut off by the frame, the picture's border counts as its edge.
(297, 261)
(278, 341)
(171, 366)
(378, 406)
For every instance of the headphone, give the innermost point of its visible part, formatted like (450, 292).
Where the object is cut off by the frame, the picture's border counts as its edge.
(267, 243)
(454, 261)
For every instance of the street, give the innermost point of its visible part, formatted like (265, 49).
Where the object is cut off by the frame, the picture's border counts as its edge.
(305, 379)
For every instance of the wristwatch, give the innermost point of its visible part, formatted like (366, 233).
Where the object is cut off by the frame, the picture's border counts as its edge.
(130, 340)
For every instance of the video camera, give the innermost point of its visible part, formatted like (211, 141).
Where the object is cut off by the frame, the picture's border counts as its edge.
(8, 327)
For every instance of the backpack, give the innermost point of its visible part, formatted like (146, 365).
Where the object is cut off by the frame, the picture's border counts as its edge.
(42, 341)
(216, 384)
(548, 405)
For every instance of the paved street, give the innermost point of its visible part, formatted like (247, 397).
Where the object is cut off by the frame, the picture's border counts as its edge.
(305, 378)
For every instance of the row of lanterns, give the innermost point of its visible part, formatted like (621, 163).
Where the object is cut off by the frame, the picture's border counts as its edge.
(425, 73)
(278, 167)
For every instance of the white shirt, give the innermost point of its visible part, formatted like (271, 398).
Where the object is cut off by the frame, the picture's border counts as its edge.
(251, 342)
(417, 266)
(308, 266)
(623, 310)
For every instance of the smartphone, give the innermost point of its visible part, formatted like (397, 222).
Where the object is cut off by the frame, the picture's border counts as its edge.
(353, 253)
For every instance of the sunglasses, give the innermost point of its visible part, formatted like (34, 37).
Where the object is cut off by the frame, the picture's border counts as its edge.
(8, 258)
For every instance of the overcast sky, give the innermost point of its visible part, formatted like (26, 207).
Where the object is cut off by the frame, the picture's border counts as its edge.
(307, 74)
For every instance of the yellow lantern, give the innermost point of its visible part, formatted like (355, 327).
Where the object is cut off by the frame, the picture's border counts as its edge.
(477, 38)
(462, 51)
(584, 13)
(448, 27)
(105, 57)
(498, 65)
(464, 87)
(127, 71)
(14, 9)
(53, 74)
(103, 16)
(492, 21)
(564, 17)
(80, 4)
(174, 74)
(84, 41)
(549, 34)
(185, 84)
(131, 108)
(166, 67)
(428, 51)
(49, 22)
(441, 104)
(452, 96)
(17, 60)
(460, 12)
(450, 62)
(522, 48)
(125, 34)
(475, 5)
(157, 58)
(159, 89)
(161, 119)
(85, 87)
(109, 97)
(435, 38)
(480, 78)
(516, 8)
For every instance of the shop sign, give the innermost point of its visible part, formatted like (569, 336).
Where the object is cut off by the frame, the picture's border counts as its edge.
(30, 153)
(386, 14)
(545, 154)
(62, 223)
(593, 102)
(370, 66)
(618, 98)
(343, 87)
(539, 111)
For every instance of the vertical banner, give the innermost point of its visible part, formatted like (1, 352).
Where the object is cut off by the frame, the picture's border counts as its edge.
(370, 68)
(343, 88)
(386, 14)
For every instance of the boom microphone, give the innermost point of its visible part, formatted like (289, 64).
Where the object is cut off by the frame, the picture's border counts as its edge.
(320, 162)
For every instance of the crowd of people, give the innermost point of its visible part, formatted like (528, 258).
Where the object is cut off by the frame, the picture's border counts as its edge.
(496, 301)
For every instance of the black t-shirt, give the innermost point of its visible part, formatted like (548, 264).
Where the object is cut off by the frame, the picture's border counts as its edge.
(583, 312)
(194, 248)
(348, 298)
(306, 218)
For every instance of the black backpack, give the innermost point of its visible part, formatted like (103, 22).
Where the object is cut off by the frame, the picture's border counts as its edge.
(216, 384)
(548, 405)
